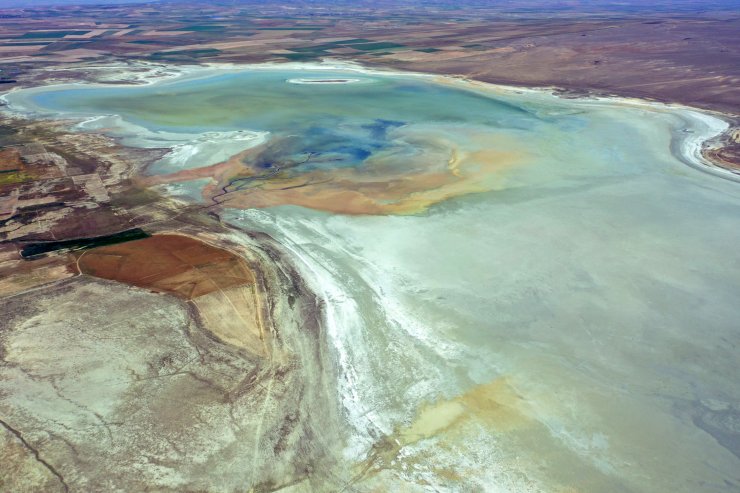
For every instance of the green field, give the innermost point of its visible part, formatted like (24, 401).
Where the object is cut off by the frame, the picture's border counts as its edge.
(50, 34)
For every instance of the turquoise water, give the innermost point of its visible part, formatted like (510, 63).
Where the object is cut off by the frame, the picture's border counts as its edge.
(599, 278)
(345, 123)
(265, 100)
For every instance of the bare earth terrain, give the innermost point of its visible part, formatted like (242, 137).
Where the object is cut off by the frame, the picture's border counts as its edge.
(119, 357)
(684, 56)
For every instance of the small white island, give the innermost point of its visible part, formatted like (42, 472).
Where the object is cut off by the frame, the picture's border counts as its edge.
(323, 81)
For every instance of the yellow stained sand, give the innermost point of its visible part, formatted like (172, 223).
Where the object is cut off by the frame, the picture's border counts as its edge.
(233, 315)
(495, 405)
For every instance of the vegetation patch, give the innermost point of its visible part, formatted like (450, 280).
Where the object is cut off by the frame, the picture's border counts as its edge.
(50, 34)
(184, 54)
(382, 45)
(13, 177)
(34, 250)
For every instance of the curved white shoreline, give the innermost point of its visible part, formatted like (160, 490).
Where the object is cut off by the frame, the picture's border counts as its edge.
(186, 150)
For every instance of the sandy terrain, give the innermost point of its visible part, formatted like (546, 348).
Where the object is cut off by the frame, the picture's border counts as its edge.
(164, 404)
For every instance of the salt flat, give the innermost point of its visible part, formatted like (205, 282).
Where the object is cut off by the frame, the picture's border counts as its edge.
(516, 289)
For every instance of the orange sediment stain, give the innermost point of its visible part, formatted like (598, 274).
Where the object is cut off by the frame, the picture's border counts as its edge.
(380, 186)
(353, 191)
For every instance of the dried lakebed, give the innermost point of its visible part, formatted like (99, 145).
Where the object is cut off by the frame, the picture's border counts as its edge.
(470, 288)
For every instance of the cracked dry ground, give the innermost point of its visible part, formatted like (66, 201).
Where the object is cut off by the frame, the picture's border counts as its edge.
(106, 386)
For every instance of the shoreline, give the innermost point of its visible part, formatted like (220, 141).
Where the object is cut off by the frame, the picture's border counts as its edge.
(690, 150)
(326, 359)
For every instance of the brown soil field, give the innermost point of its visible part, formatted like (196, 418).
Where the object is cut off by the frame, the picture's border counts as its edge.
(219, 284)
(10, 159)
(168, 263)
(17, 275)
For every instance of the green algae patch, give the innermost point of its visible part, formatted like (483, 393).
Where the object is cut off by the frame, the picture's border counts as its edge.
(13, 177)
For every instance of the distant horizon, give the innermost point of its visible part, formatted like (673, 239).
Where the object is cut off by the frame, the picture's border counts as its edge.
(47, 3)
(574, 5)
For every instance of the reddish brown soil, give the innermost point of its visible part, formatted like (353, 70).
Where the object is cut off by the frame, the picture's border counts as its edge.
(10, 159)
(169, 263)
